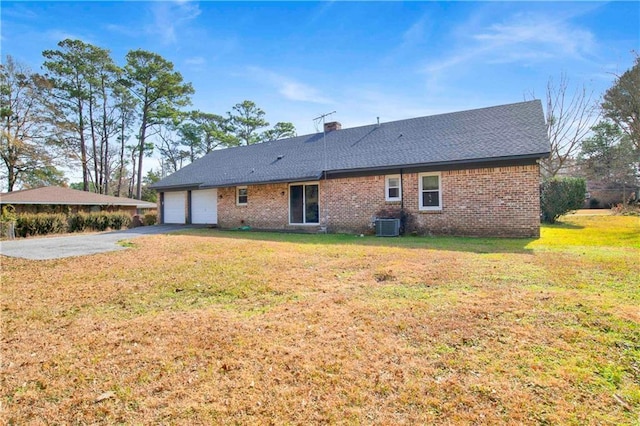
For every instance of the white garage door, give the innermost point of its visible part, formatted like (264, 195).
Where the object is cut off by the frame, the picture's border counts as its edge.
(204, 206)
(174, 207)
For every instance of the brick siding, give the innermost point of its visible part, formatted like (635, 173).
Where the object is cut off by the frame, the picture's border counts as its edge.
(267, 207)
(496, 201)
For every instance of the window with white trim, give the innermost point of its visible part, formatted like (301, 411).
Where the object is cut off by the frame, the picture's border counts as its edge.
(242, 196)
(392, 188)
(430, 191)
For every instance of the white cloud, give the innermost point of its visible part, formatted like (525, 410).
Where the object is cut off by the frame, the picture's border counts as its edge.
(121, 29)
(322, 10)
(195, 63)
(59, 35)
(415, 34)
(522, 39)
(413, 38)
(290, 88)
(196, 60)
(297, 91)
(363, 105)
(170, 17)
(19, 11)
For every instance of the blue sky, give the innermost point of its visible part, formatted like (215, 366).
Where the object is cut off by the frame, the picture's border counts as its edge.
(364, 60)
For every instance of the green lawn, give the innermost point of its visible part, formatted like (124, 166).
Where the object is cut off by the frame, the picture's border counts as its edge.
(213, 327)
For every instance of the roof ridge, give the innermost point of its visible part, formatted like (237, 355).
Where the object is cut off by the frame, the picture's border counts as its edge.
(21, 190)
(72, 196)
(307, 135)
(432, 115)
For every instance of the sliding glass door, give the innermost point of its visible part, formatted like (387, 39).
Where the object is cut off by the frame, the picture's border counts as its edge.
(304, 204)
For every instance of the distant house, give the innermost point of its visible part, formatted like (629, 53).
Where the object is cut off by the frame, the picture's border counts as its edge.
(54, 199)
(604, 195)
(466, 173)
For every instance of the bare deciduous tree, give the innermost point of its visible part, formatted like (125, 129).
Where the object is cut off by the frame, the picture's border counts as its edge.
(171, 149)
(570, 115)
(26, 156)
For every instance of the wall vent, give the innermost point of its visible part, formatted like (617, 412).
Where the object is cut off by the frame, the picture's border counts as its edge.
(387, 227)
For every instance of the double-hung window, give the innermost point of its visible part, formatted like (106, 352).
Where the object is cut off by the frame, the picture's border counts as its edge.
(392, 188)
(430, 191)
(242, 196)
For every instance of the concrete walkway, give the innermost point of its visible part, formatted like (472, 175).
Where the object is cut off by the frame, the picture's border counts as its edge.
(78, 245)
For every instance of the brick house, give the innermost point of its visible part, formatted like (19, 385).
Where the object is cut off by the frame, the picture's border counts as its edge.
(465, 173)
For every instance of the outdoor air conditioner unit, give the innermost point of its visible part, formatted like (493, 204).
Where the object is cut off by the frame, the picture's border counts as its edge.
(387, 227)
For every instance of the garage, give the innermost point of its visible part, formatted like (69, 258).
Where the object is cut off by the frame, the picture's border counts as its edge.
(204, 207)
(174, 207)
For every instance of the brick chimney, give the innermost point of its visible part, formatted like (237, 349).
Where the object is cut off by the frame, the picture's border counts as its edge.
(334, 125)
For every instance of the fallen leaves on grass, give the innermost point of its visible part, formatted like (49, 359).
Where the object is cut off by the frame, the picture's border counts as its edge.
(208, 329)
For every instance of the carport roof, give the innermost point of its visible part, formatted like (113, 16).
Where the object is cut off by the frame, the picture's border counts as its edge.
(55, 195)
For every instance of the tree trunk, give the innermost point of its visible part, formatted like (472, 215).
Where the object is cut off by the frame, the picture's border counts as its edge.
(143, 132)
(132, 184)
(10, 161)
(11, 178)
(83, 149)
(104, 145)
(94, 145)
(122, 131)
(140, 157)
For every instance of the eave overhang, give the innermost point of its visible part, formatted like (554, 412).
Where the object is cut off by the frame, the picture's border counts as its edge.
(386, 169)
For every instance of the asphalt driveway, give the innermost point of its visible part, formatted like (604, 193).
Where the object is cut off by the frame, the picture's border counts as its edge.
(78, 245)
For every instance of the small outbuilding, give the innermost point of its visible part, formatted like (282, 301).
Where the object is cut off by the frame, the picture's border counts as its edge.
(55, 199)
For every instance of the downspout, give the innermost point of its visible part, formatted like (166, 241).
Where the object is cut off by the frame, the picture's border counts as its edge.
(401, 192)
(326, 208)
(402, 215)
(188, 207)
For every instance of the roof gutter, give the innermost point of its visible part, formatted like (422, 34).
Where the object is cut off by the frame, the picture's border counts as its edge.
(146, 204)
(236, 183)
(406, 168)
(263, 182)
(176, 187)
(529, 158)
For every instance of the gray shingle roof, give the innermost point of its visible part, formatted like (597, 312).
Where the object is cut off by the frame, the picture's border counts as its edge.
(507, 132)
(55, 195)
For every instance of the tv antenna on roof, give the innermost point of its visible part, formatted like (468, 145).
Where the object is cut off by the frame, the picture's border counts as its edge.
(316, 121)
(321, 117)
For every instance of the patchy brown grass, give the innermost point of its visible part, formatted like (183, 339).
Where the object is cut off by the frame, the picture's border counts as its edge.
(233, 328)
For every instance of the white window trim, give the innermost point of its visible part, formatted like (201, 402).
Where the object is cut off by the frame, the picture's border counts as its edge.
(386, 188)
(303, 204)
(430, 208)
(238, 203)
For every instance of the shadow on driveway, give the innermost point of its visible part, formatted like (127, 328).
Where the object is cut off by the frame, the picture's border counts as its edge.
(79, 245)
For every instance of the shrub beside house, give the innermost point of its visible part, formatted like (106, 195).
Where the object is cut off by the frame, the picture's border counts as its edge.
(50, 210)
